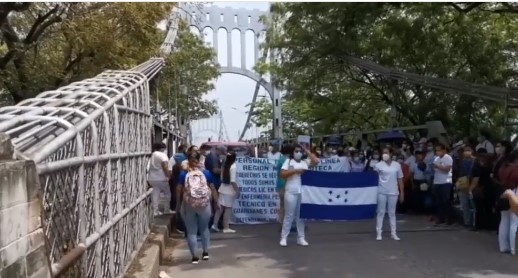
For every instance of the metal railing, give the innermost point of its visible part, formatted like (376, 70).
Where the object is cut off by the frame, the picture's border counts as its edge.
(90, 141)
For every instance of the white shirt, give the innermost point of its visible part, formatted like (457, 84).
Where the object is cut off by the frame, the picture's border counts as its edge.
(486, 145)
(345, 164)
(410, 160)
(156, 173)
(274, 156)
(357, 167)
(388, 177)
(227, 188)
(294, 182)
(441, 177)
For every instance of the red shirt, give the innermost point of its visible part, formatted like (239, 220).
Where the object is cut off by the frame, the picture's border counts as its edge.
(508, 175)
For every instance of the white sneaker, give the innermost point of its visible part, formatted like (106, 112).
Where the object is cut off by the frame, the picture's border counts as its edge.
(157, 213)
(168, 212)
(283, 242)
(378, 237)
(228, 231)
(215, 229)
(302, 241)
(395, 237)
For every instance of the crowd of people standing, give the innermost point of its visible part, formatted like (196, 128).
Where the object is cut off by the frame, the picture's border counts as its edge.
(424, 177)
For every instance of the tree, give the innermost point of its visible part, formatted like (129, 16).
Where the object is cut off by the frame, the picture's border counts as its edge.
(430, 39)
(46, 45)
(191, 64)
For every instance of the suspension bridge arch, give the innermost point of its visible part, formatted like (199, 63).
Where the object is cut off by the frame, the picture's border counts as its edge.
(243, 20)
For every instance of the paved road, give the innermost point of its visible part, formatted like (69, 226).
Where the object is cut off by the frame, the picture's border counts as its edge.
(349, 250)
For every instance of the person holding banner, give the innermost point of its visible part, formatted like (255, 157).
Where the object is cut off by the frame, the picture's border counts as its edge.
(292, 170)
(390, 189)
(228, 192)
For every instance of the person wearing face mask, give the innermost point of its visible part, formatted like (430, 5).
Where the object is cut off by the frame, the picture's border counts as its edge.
(442, 185)
(273, 153)
(158, 177)
(467, 166)
(291, 171)
(390, 190)
(356, 163)
(372, 160)
(329, 152)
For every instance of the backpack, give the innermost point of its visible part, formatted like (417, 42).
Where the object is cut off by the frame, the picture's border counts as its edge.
(197, 192)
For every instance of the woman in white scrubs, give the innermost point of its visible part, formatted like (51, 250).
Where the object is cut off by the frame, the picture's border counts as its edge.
(390, 189)
(292, 170)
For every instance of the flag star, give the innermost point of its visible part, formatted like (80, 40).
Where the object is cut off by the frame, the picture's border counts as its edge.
(330, 200)
(346, 191)
(337, 196)
(345, 201)
(330, 192)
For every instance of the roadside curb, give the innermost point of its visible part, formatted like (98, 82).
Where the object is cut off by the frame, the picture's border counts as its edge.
(150, 256)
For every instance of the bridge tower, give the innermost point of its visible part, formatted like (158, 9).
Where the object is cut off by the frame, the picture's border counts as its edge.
(242, 20)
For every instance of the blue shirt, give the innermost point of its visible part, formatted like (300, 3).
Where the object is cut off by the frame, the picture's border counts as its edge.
(418, 174)
(467, 167)
(211, 162)
(179, 157)
(183, 176)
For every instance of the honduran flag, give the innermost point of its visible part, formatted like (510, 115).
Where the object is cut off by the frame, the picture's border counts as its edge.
(339, 196)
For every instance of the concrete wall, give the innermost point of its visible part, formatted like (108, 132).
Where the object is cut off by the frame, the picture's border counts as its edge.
(22, 241)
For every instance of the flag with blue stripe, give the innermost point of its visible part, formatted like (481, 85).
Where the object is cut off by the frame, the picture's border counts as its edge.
(339, 196)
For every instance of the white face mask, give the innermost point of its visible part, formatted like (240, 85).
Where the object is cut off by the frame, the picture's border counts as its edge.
(270, 149)
(297, 155)
(385, 157)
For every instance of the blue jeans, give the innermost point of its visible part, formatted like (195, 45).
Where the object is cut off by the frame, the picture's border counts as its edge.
(197, 220)
(442, 200)
(466, 202)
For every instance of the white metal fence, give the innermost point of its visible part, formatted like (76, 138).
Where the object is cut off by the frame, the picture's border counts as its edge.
(90, 141)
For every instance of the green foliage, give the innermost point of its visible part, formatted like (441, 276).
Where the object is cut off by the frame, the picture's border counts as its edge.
(192, 64)
(432, 39)
(45, 45)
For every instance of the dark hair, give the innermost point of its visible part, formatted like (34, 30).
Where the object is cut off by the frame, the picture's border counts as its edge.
(158, 146)
(441, 146)
(189, 150)
(231, 158)
(293, 150)
(390, 150)
(507, 145)
(286, 149)
(194, 155)
(182, 148)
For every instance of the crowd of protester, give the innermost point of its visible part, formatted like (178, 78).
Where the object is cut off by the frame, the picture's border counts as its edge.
(428, 176)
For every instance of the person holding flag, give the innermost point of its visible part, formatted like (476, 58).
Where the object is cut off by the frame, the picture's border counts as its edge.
(291, 171)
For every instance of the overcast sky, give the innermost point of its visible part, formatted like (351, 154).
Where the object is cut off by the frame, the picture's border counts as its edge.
(232, 92)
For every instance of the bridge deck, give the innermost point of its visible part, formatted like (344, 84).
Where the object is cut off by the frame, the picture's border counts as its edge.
(349, 250)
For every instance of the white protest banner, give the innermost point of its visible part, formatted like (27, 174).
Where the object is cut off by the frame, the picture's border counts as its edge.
(258, 202)
(331, 164)
(304, 140)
